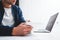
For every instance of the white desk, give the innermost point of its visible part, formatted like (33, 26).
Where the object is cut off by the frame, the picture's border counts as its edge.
(54, 35)
(44, 36)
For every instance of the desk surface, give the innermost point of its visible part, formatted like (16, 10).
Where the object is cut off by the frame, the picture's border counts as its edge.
(34, 36)
(54, 35)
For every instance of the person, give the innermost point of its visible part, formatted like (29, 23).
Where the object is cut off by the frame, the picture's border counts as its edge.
(12, 22)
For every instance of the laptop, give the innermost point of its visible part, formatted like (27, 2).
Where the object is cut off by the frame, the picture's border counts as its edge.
(49, 25)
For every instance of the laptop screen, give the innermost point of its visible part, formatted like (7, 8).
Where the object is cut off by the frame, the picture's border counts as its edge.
(51, 22)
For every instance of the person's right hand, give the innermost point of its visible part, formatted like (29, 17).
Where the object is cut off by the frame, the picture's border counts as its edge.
(21, 29)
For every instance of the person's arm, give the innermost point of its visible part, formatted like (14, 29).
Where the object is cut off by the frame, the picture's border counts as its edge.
(20, 16)
(5, 30)
(21, 30)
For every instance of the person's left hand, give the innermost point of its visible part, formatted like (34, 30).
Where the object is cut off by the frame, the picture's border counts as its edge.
(28, 28)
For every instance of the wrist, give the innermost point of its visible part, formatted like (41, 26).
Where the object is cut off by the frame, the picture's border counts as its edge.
(14, 31)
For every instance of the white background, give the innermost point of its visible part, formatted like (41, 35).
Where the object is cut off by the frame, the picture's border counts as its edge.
(39, 11)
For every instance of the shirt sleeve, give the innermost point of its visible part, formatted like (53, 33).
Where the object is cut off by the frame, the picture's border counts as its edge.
(5, 30)
(20, 15)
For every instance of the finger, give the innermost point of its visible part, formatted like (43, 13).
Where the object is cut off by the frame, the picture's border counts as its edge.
(27, 29)
(25, 33)
(30, 27)
(22, 25)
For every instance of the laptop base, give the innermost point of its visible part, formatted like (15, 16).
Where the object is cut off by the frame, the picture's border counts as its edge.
(41, 31)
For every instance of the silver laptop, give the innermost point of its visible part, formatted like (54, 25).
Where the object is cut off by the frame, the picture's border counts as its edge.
(49, 25)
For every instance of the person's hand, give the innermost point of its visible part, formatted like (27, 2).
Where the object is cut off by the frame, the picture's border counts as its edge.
(22, 29)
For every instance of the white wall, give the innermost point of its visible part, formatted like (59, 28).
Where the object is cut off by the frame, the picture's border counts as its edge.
(40, 11)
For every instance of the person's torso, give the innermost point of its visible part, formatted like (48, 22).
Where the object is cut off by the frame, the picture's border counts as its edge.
(8, 19)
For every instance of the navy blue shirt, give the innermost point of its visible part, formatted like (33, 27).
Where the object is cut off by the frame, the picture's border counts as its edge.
(18, 18)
